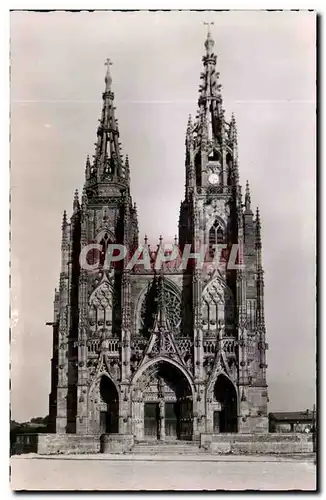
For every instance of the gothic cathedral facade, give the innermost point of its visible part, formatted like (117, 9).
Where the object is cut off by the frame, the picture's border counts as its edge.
(169, 353)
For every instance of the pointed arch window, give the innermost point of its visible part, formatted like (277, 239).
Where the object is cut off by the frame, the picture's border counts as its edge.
(216, 237)
(100, 310)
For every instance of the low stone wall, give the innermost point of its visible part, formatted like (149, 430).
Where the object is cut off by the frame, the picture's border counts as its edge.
(116, 443)
(271, 443)
(52, 444)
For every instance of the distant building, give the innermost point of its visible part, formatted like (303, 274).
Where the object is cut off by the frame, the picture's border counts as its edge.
(295, 421)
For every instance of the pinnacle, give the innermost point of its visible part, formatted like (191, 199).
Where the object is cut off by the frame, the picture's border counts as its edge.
(258, 229)
(76, 200)
(209, 43)
(64, 220)
(88, 167)
(247, 198)
(108, 77)
(257, 215)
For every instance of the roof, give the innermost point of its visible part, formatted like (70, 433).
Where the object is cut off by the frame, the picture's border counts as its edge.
(292, 415)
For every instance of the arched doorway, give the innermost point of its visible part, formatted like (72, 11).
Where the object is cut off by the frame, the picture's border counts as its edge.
(225, 419)
(109, 419)
(166, 398)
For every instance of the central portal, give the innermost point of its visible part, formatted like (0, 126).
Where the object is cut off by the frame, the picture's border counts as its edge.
(167, 403)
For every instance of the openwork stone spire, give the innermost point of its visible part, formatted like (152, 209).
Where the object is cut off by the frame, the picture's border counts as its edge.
(210, 125)
(108, 164)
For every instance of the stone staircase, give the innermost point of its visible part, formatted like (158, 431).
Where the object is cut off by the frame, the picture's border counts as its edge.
(167, 448)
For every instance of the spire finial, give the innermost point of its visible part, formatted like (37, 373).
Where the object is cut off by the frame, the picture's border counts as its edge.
(108, 77)
(64, 220)
(76, 200)
(209, 44)
(88, 168)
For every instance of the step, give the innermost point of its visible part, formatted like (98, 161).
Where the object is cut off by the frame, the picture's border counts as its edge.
(167, 448)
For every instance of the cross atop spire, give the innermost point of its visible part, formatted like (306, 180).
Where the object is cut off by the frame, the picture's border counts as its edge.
(108, 77)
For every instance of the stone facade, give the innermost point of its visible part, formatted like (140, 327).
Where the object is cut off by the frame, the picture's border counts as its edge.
(167, 353)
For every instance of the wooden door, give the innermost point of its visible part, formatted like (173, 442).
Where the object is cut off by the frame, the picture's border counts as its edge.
(151, 420)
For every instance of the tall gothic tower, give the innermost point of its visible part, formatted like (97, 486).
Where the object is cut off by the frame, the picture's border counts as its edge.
(170, 352)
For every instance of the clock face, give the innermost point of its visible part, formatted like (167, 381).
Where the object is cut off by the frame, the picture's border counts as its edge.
(213, 179)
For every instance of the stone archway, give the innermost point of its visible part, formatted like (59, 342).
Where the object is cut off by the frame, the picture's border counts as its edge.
(162, 403)
(109, 418)
(225, 402)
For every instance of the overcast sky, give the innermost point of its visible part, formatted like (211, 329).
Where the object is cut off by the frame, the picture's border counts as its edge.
(267, 69)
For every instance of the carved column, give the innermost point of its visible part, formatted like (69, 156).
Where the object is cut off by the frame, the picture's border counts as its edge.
(125, 404)
(62, 387)
(162, 419)
(199, 401)
(82, 415)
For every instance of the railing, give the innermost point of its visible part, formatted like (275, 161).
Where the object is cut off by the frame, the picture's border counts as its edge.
(228, 345)
(93, 346)
(112, 346)
(209, 346)
(109, 345)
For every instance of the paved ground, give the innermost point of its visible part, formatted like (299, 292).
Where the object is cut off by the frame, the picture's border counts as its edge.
(116, 472)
